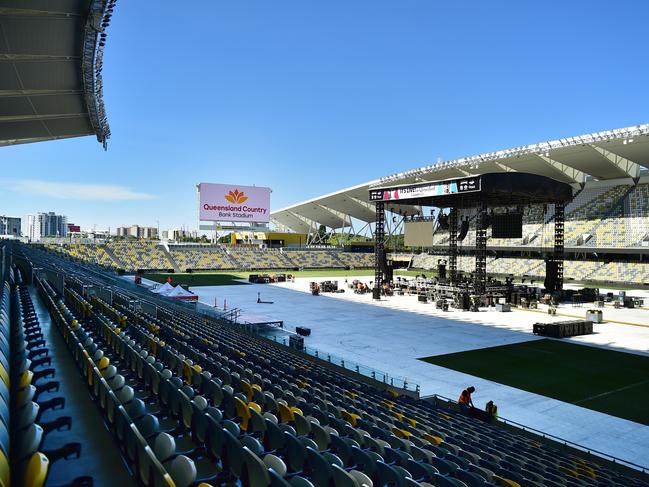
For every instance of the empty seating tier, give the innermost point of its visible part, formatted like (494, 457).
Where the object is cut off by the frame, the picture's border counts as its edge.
(194, 401)
(32, 413)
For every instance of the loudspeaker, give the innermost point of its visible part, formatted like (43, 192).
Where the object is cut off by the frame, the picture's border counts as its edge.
(507, 225)
(441, 271)
(465, 301)
(464, 229)
(550, 274)
(443, 221)
(296, 342)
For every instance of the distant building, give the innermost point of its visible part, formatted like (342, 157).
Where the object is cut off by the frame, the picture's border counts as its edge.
(9, 227)
(180, 233)
(46, 225)
(99, 234)
(136, 231)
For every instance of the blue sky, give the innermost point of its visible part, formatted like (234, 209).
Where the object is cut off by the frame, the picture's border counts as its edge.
(309, 97)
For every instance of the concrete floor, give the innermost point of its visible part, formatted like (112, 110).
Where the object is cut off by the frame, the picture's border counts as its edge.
(100, 457)
(392, 334)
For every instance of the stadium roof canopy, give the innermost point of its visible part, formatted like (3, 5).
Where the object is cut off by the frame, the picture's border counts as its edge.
(51, 55)
(612, 154)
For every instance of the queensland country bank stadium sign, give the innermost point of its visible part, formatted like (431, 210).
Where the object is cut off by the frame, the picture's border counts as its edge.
(233, 203)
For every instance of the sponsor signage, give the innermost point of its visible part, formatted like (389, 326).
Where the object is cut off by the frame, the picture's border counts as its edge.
(426, 190)
(233, 203)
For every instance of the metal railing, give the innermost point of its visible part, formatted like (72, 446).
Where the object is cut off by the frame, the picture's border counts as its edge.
(557, 439)
(380, 376)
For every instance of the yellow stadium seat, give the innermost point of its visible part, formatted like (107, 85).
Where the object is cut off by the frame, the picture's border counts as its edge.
(285, 413)
(25, 379)
(505, 482)
(5, 471)
(37, 469)
(351, 417)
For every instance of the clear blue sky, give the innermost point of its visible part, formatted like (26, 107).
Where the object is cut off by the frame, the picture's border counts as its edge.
(309, 97)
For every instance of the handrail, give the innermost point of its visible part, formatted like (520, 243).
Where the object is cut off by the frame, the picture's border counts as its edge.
(378, 375)
(572, 444)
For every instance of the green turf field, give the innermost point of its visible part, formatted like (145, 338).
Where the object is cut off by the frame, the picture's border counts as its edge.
(615, 383)
(226, 278)
(199, 279)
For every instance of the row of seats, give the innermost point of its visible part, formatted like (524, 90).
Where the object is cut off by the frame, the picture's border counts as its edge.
(314, 259)
(222, 258)
(627, 272)
(197, 400)
(94, 254)
(94, 367)
(250, 259)
(201, 258)
(139, 254)
(30, 410)
(133, 255)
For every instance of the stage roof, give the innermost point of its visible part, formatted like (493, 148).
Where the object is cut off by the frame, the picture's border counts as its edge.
(608, 155)
(51, 56)
(494, 189)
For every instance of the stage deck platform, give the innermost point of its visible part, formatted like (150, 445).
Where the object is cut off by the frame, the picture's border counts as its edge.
(391, 335)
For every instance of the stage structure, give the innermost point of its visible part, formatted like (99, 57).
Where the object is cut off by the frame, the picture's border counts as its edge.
(481, 193)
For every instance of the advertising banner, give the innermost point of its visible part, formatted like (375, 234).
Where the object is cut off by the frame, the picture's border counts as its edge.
(233, 203)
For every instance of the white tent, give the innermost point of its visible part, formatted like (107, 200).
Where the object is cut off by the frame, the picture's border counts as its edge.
(178, 292)
(165, 289)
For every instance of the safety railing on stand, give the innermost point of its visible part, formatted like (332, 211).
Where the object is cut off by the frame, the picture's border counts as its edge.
(380, 376)
(567, 443)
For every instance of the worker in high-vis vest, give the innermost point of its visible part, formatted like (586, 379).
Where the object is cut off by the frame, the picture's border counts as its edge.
(465, 400)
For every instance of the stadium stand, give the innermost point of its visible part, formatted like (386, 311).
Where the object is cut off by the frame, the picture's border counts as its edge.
(356, 260)
(140, 254)
(248, 258)
(315, 259)
(631, 272)
(132, 255)
(95, 254)
(193, 401)
(589, 212)
(605, 216)
(577, 270)
(30, 409)
(201, 257)
(582, 223)
(636, 219)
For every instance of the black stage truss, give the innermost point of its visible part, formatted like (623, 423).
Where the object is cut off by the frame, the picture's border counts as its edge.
(480, 192)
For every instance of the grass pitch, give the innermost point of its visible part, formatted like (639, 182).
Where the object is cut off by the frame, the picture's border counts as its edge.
(227, 278)
(611, 382)
(198, 278)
